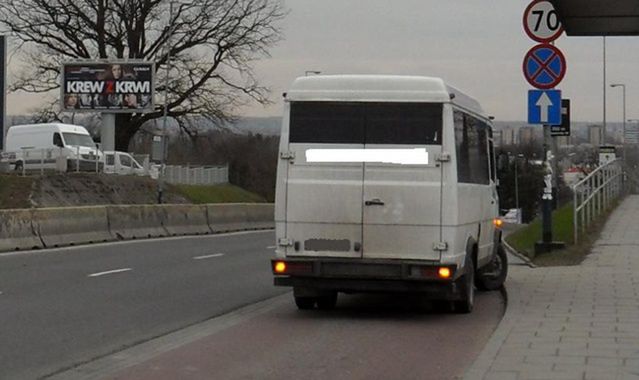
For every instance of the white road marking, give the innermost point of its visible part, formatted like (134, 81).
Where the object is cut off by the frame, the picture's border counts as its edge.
(208, 256)
(271, 247)
(109, 272)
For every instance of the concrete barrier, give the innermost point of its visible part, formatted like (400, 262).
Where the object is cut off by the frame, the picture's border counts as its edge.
(185, 219)
(239, 216)
(59, 227)
(55, 227)
(17, 232)
(136, 221)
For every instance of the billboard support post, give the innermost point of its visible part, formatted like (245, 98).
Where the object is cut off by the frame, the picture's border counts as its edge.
(107, 132)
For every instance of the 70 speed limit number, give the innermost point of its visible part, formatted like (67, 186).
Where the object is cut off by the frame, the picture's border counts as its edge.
(541, 22)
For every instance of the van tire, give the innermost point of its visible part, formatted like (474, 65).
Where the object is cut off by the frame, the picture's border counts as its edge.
(327, 302)
(305, 303)
(494, 276)
(18, 167)
(467, 284)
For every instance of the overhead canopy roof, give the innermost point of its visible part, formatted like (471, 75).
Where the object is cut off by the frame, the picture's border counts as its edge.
(599, 17)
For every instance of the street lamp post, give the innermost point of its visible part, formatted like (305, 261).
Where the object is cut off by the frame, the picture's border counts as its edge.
(623, 87)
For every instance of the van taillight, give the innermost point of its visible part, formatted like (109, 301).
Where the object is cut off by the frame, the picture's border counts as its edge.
(292, 267)
(279, 267)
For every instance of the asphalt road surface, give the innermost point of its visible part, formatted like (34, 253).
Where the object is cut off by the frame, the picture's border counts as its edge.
(65, 307)
(62, 307)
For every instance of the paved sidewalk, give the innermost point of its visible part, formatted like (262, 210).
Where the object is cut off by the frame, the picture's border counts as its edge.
(577, 322)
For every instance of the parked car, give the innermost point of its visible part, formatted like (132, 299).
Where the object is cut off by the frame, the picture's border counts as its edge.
(122, 163)
(513, 216)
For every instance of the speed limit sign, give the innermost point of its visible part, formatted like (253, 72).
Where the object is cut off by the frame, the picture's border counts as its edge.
(541, 21)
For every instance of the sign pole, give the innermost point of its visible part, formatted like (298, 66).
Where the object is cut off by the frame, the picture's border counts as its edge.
(107, 132)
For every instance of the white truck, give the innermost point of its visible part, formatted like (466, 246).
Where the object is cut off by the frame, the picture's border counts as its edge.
(42, 146)
(386, 184)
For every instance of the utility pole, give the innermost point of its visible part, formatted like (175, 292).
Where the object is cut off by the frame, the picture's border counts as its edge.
(166, 107)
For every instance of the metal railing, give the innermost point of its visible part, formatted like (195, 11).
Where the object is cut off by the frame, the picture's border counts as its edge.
(47, 159)
(188, 175)
(594, 195)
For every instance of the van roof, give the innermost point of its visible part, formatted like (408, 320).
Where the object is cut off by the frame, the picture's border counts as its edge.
(59, 126)
(379, 88)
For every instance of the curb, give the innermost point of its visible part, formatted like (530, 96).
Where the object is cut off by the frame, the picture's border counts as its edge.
(519, 255)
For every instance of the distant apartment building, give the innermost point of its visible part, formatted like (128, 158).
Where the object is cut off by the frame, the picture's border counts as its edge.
(594, 135)
(526, 135)
(563, 140)
(508, 136)
(497, 138)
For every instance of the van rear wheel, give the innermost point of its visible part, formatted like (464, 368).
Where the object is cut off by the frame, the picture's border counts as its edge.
(327, 302)
(467, 283)
(305, 303)
(18, 167)
(494, 276)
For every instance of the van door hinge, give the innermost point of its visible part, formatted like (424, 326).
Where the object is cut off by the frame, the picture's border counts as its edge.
(443, 157)
(287, 155)
(440, 246)
(284, 242)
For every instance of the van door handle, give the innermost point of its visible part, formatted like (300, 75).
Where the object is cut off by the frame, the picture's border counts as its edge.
(374, 202)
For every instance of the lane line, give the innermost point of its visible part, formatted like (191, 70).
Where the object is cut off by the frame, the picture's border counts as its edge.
(208, 256)
(271, 247)
(109, 272)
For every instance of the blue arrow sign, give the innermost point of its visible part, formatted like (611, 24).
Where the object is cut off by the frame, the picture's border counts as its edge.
(544, 107)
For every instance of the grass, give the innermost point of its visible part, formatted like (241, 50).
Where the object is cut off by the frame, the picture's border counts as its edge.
(15, 191)
(523, 240)
(217, 194)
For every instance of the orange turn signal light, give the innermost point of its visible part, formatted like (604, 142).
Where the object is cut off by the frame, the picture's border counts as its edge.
(498, 222)
(444, 273)
(280, 267)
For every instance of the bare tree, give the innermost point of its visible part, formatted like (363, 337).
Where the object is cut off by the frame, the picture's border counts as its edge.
(213, 46)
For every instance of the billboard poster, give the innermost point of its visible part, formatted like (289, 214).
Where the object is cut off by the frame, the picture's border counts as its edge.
(108, 87)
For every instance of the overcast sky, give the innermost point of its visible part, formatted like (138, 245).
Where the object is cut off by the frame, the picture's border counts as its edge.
(476, 45)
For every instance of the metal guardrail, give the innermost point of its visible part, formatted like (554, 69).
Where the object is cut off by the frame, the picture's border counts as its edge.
(57, 159)
(594, 195)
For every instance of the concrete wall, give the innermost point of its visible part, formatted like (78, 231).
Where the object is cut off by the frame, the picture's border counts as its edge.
(55, 227)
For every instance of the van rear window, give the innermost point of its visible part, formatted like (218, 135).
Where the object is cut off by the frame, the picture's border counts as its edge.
(366, 123)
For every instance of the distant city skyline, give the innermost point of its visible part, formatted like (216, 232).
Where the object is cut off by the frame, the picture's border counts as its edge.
(477, 47)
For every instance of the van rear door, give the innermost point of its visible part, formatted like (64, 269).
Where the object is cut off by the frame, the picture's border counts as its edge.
(324, 197)
(402, 188)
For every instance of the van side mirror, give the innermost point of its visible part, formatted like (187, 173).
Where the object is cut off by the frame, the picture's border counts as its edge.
(57, 140)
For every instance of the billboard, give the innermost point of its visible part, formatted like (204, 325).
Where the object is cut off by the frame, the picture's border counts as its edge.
(108, 86)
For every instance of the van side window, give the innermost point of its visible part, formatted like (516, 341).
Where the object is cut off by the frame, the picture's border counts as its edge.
(57, 140)
(471, 143)
(110, 159)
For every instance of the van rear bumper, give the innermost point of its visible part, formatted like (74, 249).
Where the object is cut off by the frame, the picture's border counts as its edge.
(368, 276)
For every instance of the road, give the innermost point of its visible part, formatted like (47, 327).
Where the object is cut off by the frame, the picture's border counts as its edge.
(53, 314)
(65, 307)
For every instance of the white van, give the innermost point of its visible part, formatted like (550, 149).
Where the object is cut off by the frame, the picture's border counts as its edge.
(122, 163)
(37, 146)
(386, 184)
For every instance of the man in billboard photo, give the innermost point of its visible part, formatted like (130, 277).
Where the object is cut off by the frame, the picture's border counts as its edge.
(130, 101)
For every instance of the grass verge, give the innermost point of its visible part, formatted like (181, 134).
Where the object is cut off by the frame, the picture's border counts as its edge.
(523, 240)
(15, 191)
(217, 194)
